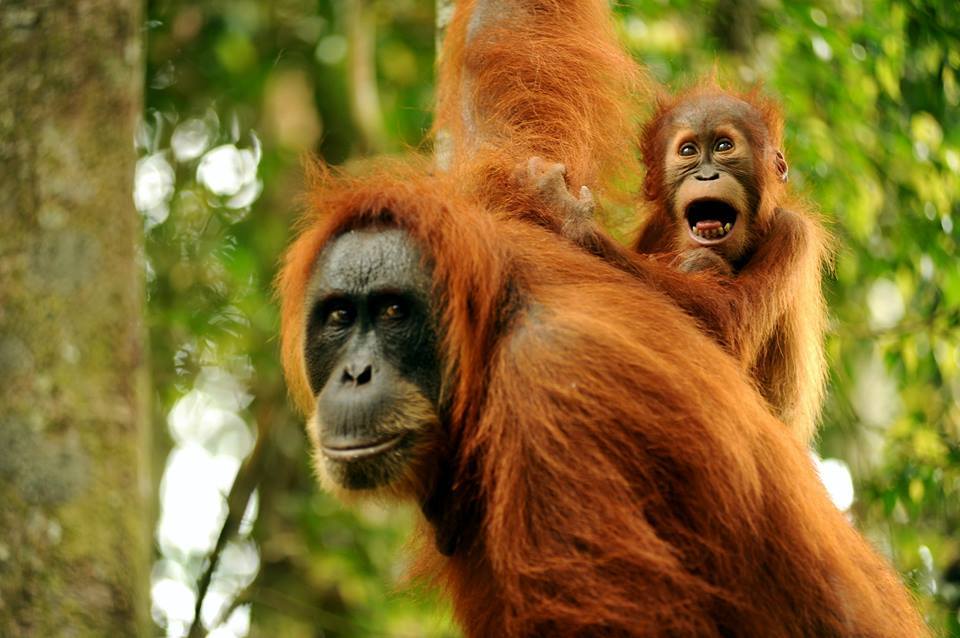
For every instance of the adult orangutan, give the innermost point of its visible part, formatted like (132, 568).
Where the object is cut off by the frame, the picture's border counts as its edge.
(588, 460)
(718, 204)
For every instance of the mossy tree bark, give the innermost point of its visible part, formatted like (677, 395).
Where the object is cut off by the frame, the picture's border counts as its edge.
(74, 489)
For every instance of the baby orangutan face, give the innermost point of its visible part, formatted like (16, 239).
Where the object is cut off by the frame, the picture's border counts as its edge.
(711, 175)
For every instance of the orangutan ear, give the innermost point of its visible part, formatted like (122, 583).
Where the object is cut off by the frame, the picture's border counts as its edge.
(780, 163)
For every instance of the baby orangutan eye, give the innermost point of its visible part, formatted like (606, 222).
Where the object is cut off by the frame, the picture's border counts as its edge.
(688, 150)
(723, 145)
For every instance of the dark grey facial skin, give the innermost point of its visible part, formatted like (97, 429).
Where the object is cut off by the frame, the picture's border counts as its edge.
(370, 331)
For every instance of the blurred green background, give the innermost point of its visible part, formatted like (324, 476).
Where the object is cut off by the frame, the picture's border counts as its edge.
(237, 92)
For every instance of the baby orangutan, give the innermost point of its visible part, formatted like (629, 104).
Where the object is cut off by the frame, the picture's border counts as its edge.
(718, 209)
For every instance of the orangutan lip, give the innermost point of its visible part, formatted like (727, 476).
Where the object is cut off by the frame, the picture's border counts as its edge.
(362, 449)
(710, 221)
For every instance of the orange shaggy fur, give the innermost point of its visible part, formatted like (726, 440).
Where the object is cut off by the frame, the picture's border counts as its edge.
(627, 480)
(535, 77)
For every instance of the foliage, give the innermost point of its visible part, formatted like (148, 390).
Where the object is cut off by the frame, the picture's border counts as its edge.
(871, 92)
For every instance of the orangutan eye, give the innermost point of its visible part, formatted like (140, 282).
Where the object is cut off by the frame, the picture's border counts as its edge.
(393, 311)
(723, 144)
(688, 150)
(393, 308)
(339, 315)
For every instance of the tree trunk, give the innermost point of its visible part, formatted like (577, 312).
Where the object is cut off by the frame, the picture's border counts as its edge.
(734, 24)
(74, 485)
(442, 144)
(362, 74)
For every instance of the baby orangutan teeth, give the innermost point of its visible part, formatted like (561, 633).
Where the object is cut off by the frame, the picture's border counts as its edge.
(710, 230)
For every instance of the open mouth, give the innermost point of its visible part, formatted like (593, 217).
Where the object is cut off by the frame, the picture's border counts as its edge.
(354, 450)
(710, 220)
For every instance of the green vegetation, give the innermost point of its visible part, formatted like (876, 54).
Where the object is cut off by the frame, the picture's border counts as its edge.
(871, 92)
